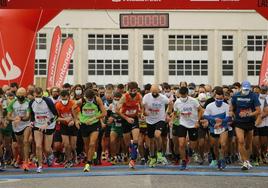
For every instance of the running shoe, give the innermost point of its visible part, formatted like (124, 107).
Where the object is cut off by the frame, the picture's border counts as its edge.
(245, 166)
(25, 167)
(256, 163)
(50, 159)
(249, 165)
(131, 164)
(152, 162)
(223, 164)
(39, 169)
(183, 165)
(161, 159)
(103, 156)
(69, 164)
(87, 168)
(16, 165)
(213, 163)
(142, 162)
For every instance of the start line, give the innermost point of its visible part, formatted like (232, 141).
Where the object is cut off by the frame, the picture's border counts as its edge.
(140, 170)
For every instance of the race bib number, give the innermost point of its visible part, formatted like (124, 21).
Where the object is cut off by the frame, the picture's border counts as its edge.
(41, 120)
(131, 112)
(219, 130)
(186, 115)
(118, 124)
(88, 112)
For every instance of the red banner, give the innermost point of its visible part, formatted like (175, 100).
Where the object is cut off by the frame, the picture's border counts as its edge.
(53, 57)
(260, 6)
(17, 43)
(263, 78)
(64, 61)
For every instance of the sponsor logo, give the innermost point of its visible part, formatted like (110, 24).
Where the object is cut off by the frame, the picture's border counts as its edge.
(8, 71)
(116, 1)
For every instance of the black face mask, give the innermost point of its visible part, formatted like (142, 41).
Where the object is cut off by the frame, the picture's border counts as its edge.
(133, 94)
(55, 97)
(155, 95)
(20, 98)
(110, 101)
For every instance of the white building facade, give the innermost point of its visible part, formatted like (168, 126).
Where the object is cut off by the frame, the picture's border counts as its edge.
(215, 47)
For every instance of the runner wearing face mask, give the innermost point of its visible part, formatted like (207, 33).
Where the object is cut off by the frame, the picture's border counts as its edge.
(260, 140)
(154, 107)
(217, 113)
(67, 111)
(189, 113)
(191, 90)
(43, 118)
(89, 120)
(19, 113)
(245, 107)
(129, 109)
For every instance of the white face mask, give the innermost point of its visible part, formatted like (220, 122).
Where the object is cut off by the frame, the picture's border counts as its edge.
(115, 102)
(183, 99)
(245, 92)
(38, 99)
(64, 102)
(263, 96)
(191, 91)
(168, 94)
(78, 92)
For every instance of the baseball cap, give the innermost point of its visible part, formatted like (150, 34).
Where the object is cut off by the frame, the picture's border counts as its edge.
(246, 85)
(191, 85)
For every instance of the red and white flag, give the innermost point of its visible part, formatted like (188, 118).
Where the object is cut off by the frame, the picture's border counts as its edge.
(53, 56)
(64, 61)
(263, 78)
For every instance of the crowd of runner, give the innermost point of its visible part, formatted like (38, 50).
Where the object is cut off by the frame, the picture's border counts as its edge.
(126, 124)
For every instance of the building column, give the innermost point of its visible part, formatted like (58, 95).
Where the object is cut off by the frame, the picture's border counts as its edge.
(214, 59)
(241, 58)
(135, 69)
(81, 57)
(161, 57)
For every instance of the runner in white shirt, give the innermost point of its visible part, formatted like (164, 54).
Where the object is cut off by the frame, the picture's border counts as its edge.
(260, 141)
(189, 112)
(154, 107)
(43, 117)
(217, 114)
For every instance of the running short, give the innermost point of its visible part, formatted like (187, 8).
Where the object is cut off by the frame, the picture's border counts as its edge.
(263, 131)
(161, 126)
(86, 130)
(127, 127)
(182, 131)
(45, 132)
(247, 126)
(69, 130)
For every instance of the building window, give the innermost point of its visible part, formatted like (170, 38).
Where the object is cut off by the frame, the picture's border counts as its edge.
(227, 43)
(254, 68)
(107, 67)
(41, 41)
(227, 67)
(71, 68)
(107, 42)
(148, 67)
(40, 67)
(148, 42)
(188, 67)
(64, 36)
(256, 42)
(188, 42)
